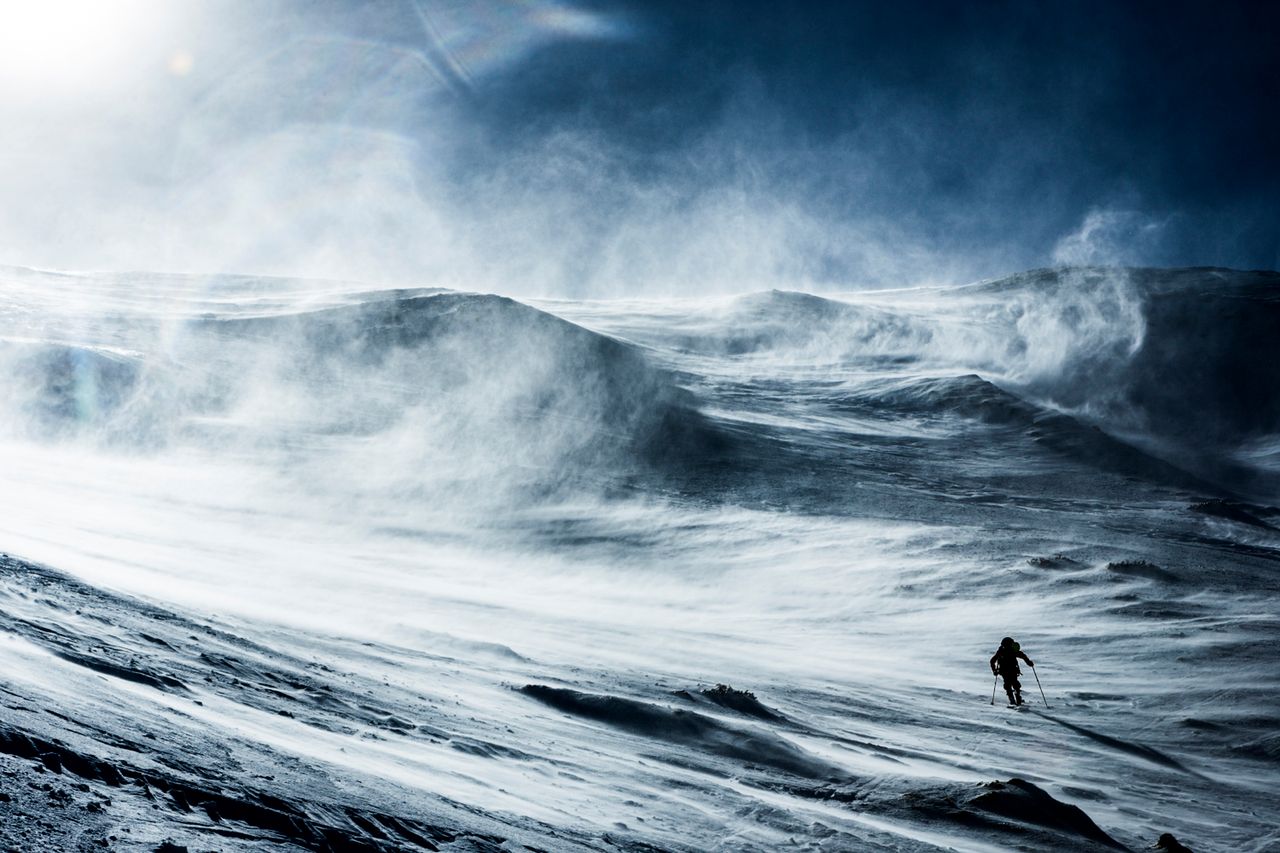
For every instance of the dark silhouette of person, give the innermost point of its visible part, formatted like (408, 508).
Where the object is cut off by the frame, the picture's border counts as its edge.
(1004, 663)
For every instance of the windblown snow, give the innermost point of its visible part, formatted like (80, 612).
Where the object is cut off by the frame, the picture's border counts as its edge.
(304, 565)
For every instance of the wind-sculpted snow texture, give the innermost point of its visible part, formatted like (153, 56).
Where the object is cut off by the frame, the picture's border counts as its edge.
(303, 565)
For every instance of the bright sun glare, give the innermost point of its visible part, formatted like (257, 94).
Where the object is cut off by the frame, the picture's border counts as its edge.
(56, 46)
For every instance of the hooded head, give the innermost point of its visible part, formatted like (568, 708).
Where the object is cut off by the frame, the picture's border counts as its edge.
(1008, 643)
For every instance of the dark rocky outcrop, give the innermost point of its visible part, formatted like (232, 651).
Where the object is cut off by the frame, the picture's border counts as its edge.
(1169, 844)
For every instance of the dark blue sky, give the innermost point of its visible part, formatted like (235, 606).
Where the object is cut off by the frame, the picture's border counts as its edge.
(609, 146)
(999, 124)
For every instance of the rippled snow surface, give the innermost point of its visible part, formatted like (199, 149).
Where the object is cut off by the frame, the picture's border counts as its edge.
(418, 555)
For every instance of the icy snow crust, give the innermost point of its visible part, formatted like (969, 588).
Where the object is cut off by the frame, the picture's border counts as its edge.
(302, 565)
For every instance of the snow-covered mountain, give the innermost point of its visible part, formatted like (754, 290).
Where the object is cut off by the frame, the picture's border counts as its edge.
(303, 565)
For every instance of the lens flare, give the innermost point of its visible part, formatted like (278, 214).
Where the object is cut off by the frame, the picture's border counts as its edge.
(68, 46)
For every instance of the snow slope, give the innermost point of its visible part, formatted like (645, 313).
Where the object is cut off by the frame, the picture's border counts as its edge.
(297, 563)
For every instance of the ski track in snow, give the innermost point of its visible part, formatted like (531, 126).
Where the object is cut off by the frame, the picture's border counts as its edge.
(302, 564)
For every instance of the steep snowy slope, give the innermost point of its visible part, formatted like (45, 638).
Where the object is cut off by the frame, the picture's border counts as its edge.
(302, 565)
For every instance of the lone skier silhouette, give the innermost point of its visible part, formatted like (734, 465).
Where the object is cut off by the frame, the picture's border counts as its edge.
(1004, 663)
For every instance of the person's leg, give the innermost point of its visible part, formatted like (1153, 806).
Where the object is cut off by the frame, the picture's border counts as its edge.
(1017, 691)
(1009, 682)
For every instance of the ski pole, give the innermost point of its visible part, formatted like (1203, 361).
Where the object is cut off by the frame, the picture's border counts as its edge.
(993, 689)
(1033, 672)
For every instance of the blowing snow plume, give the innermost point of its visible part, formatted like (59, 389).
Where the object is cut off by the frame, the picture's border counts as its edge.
(415, 390)
(1181, 361)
